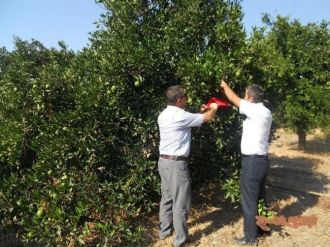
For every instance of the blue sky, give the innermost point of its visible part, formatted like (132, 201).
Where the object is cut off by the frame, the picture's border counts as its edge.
(72, 20)
(303, 10)
(48, 21)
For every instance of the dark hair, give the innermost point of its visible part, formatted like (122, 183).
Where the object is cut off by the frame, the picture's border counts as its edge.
(173, 93)
(256, 92)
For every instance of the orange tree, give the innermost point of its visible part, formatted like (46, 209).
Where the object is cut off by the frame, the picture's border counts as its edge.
(33, 91)
(79, 137)
(292, 62)
(145, 46)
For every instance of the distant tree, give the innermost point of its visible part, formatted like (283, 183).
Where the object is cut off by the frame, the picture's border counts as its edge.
(4, 60)
(296, 70)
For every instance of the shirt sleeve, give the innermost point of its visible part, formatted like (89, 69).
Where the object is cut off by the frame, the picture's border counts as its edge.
(188, 119)
(247, 108)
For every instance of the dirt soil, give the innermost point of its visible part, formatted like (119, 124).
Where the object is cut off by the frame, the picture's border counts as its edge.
(298, 185)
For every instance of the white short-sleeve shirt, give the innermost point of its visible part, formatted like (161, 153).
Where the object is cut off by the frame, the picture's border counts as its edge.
(175, 130)
(256, 128)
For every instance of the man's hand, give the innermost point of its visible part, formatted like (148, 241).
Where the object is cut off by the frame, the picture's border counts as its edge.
(204, 108)
(223, 84)
(210, 113)
(231, 95)
(214, 106)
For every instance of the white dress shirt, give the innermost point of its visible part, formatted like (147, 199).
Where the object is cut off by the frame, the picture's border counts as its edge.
(256, 128)
(175, 130)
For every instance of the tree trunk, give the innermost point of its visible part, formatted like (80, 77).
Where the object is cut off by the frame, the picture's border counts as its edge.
(301, 139)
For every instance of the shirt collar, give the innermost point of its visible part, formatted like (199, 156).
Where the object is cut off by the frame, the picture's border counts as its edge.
(174, 107)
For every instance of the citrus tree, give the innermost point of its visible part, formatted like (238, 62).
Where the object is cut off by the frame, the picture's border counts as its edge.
(145, 46)
(300, 84)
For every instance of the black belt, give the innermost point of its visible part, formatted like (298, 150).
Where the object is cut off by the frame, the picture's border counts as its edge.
(173, 157)
(254, 155)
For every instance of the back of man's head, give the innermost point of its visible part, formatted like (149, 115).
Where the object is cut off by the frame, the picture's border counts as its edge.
(256, 92)
(173, 93)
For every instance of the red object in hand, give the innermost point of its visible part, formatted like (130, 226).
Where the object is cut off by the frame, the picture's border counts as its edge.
(222, 103)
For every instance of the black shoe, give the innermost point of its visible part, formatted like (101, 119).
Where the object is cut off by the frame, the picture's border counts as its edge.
(192, 242)
(262, 233)
(242, 241)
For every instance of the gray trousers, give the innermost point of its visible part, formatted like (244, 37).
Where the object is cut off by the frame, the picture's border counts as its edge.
(176, 199)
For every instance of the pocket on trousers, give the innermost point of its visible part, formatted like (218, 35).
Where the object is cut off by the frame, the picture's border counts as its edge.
(184, 173)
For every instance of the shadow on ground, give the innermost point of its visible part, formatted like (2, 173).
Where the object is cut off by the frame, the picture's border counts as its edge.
(298, 174)
(295, 185)
(223, 213)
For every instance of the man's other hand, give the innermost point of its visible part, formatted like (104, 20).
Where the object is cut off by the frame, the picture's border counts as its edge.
(214, 106)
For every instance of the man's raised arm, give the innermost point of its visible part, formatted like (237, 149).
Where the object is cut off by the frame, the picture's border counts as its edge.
(231, 95)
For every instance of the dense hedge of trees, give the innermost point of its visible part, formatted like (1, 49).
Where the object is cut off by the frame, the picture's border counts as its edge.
(78, 131)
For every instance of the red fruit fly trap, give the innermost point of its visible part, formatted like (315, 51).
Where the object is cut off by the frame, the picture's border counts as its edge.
(222, 103)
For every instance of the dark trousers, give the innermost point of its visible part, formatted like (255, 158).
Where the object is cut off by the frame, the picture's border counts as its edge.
(253, 177)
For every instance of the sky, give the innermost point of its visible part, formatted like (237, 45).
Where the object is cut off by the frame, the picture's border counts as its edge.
(303, 10)
(48, 21)
(72, 21)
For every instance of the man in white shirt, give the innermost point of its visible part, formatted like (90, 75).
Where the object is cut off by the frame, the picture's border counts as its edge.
(254, 149)
(175, 137)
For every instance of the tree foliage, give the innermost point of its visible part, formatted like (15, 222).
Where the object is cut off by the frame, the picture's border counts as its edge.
(296, 71)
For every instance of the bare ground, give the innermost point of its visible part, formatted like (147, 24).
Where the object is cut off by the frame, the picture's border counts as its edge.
(298, 185)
